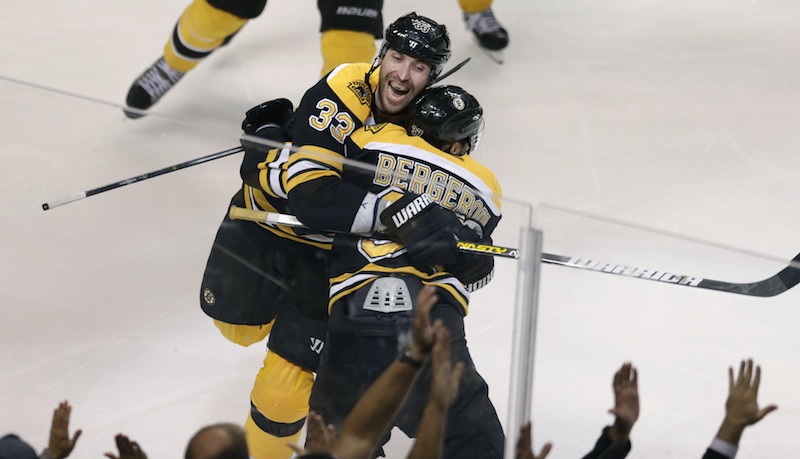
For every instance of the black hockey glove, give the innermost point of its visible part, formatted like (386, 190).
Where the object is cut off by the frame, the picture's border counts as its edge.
(275, 113)
(268, 121)
(426, 229)
(474, 271)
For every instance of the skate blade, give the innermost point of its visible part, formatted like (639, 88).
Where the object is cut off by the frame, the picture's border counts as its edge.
(495, 55)
(131, 114)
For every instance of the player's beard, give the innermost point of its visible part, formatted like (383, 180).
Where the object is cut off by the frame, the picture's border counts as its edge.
(392, 110)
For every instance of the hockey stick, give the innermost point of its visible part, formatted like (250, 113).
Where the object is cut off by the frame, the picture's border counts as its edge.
(272, 218)
(451, 71)
(787, 278)
(139, 178)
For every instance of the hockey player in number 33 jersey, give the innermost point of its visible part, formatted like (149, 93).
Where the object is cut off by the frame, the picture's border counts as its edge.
(400, 163)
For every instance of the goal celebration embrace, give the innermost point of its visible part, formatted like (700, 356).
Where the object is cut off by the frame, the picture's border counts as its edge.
(475, 229)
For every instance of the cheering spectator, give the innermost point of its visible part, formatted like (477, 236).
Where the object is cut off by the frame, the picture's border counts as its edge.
(127, 449)
(741, 410)
(59, 447)
(525, 445)
(614, 442)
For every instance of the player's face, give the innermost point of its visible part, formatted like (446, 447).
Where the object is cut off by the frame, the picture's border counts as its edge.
(402, 78)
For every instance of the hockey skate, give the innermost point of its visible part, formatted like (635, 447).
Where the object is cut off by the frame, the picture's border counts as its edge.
(150, 86)
(487, 33)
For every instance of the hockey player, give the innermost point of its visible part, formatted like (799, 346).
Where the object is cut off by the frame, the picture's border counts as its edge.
(414, 52)
(270, 280)
(348, 32)
(259, 273)
(420, 195)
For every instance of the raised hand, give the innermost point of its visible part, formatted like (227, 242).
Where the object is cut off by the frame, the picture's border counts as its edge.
(319, 436)
(741, 408)
(524, 448)
(424, 333)
(127, 449)
(446, 376)
(626, 402)
(60, 445)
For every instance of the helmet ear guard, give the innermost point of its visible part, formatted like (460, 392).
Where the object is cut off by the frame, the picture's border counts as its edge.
(419, 37)
(444, 115)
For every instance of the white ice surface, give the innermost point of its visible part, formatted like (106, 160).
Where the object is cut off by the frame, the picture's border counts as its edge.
(677, 115)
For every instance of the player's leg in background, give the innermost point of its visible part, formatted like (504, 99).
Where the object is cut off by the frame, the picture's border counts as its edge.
(349, 29)
(204, 26)
(280, 396)
(486, 30)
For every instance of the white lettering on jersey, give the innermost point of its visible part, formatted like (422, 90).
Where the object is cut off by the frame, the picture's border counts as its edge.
(413, 208)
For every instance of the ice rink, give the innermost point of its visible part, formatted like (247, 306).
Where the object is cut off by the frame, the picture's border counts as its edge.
(657, 134)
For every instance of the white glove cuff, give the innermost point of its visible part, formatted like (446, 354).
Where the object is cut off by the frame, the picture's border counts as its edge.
(367, 219)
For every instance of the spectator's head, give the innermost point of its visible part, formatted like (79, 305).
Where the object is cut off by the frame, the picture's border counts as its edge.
(414, 51)
(449, 118)
(218, 441)
(12, 447)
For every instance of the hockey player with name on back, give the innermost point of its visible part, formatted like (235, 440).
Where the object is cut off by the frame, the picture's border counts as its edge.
(419, 190)
(348, 31)
(259, 273)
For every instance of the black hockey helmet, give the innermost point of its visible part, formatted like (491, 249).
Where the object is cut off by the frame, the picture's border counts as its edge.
(420, 38)
(443, 115)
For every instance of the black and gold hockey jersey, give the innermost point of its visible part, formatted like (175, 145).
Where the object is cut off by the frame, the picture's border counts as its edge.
(399, 164)
(333, 109)
(328, 114)
(266, 191)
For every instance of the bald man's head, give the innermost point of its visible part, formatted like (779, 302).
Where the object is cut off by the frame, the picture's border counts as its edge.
(218, 441)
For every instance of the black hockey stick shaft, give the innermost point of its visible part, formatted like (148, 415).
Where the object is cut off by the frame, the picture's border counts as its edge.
(139, 178)
(787, 278)
(451, 71)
